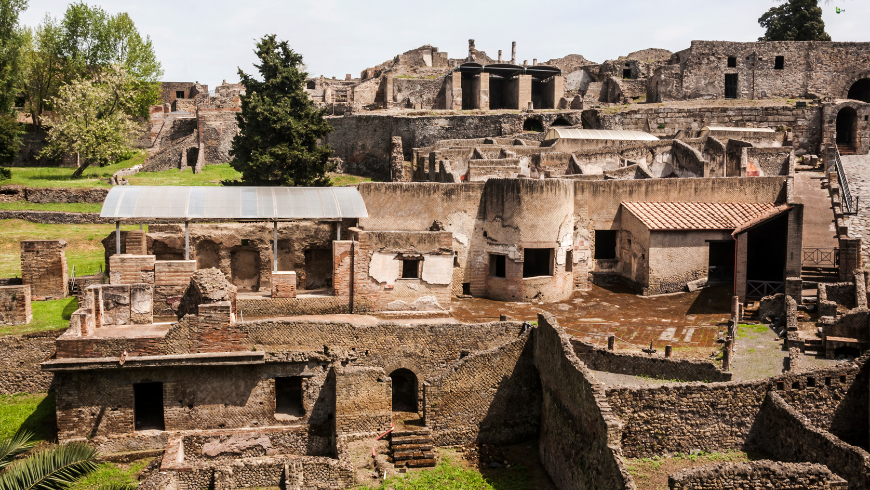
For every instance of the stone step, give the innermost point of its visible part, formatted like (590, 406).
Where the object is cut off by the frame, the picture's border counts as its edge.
(422, 431)
(397, 441)
(416, 463)
(411, 455)
(411, 447)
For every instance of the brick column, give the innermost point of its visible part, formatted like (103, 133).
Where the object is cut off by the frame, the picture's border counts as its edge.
(453, 91)
(524, 91)
(135, 241)
(483, 92)
(43, 266)
(740, 267)
(850, 257)
(794, 244)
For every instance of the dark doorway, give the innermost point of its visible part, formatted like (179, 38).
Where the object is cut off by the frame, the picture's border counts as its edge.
(560, 121)
(537, 262)
(847, 119)
(537, 94)
(179, 94)
(496, 92)
(860, 90)
(766, 257)
(288, 396)
(148, 406)
(496, 265)
(404, 390)
(626, 73)
(192, 156)
(468, 96)
(779, 63)
(847, 353)
(605, 244)
(318, 268)
(730, 85)
(720, 266)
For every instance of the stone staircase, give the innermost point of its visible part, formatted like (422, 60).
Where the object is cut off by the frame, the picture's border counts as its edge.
(813, 346)
(412, 448)
(817, 274)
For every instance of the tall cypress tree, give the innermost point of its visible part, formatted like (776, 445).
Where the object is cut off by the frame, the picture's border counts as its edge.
(279, 127)
(795, 20)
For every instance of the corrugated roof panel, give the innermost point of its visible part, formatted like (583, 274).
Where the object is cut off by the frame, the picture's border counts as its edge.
(242, 203)
(598, 134)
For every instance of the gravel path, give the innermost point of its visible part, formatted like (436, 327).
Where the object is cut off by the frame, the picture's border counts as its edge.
(857, 169)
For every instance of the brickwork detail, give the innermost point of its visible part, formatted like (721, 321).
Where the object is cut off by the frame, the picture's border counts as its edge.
(15, 306)
(43, 267)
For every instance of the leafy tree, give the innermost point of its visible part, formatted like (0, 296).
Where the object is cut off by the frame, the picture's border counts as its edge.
(10, 138)
(795, 20)
(43, 67)
(11, 43)
(279, 127)
(92, 119)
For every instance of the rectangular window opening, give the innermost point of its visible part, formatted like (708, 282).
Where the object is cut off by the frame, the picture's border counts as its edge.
(148, 406)
(827, 381)
(732, 62)
(779, 63)
(497, 265)
(537, 262)
(780, 385)
(569, 261)
(811, 382)
(288, 396)
(410, 269)
(626, 73)
(179, 94)
(605, 244)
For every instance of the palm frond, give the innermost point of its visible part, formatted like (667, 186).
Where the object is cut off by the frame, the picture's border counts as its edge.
(52, 469)
(15, 445)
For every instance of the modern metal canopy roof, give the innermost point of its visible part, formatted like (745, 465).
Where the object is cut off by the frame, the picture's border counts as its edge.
(598, 134)
(508, 70)
(233, 203)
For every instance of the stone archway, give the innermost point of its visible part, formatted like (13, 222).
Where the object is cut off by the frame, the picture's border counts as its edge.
(860, 90)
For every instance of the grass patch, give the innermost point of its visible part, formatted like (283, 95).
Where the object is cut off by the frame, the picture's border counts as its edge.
(652, 473)
(73, 207)
(27, 412)
(750, 332)
(346, 179)
(449, 474)
(83, 250)
(93, 176)
(111, 474)
(210, 175)
(47, 315)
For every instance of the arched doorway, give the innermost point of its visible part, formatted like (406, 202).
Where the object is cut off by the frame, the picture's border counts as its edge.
(560, 121)
(847, 120)
(860, 90)
(533, 125)
(404, 390)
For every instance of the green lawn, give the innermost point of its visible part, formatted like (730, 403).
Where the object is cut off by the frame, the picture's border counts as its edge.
(111, 473)
(74, 207)
(47, 315)
(27, 412)
(210, 175)
(347, 179)
(451, 475)
(83, 249)
(62, 176)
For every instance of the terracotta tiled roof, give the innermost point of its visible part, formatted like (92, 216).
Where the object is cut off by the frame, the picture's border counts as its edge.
(699, 215)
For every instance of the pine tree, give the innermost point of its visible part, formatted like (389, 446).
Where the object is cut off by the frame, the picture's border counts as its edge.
(279, 127)
(795, 20)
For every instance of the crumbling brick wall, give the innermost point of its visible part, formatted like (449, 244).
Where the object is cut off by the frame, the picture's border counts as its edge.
(757, 474)
(579, 436)
(206, 286)
(362, 399)
(491, 397)
(20, 356)
(15, 306)
(43, 267)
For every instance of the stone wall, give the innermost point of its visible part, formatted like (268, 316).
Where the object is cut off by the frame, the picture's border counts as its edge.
(94, 195)
(310, 305)
(55, 217)
(579, 437)
(770, 161)
(645, 365)
(757, 474)
(43, 267)
(788, 435)
(20, 356)
(15, 306)
(216, 129)
(362, 400)
(491, 397)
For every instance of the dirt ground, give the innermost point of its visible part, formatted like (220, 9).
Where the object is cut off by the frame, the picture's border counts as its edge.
(690, 322)
(652, 473)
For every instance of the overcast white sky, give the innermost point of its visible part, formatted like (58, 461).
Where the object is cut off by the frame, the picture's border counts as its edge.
(207, 41)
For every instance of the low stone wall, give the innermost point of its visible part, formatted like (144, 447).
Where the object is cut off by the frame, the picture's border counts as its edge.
(92, 195)
(56, 217)
(789, 436)
(231, 444)
(492, 397)
(311, 305)
(644, 365)
(20, 356)
(757, 474)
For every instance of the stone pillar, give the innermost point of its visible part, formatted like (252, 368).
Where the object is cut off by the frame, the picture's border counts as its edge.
(433, 165)
(794, 288)
(514, 53)
(611, 342)
(388, 91)
(453, 91)
(554, 90)
(499, 56)
(397, 160)
(483, 91)
(136, 243)
(740, 267)
(850, 257)
(794, 244)
(524, 91)
(284, 284)
(43, 267)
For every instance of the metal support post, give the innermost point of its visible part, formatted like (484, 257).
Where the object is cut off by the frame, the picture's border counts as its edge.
(117, 238)
(275, 246)
(338, 231)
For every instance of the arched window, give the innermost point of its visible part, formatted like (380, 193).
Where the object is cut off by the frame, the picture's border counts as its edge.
(533, 125)
(860, 90)
(310, 85)
(560, 121)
